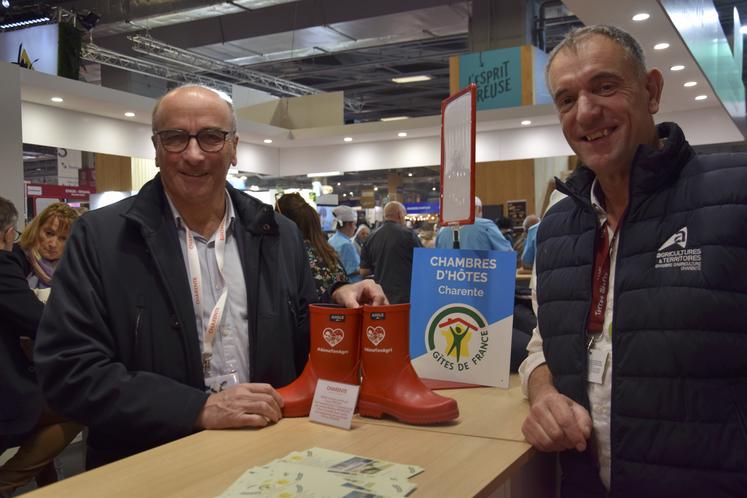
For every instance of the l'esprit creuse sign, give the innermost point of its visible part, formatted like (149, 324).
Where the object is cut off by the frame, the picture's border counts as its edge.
(497, 74)
(461, 315)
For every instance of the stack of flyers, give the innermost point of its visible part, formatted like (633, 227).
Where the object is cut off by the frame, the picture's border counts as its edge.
(317, 473)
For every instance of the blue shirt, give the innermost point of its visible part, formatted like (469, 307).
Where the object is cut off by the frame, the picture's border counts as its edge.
(345, 248)
(483, 234)
(530, 246)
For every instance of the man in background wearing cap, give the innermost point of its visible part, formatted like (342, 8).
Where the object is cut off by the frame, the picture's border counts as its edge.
(483, 234)
(342, 241)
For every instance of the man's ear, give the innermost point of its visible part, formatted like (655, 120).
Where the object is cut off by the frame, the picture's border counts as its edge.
(654, 86)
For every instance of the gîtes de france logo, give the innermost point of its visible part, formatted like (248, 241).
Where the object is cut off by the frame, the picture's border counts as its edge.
(674, 253)
(457, 337)
(333, 337)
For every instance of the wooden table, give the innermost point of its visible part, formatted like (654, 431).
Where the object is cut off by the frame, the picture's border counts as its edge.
(474, 456)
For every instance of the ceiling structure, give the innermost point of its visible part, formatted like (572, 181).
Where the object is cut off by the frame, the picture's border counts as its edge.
(318, 45)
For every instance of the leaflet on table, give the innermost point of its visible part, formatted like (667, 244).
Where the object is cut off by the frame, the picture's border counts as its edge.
(318, 472)
(345, 463)
(278, 479)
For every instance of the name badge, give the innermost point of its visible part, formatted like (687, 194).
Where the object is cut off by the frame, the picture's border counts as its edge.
(597, 364)
(218, 383)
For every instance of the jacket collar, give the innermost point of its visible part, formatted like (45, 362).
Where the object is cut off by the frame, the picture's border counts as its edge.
(150, 209)
(652, 168)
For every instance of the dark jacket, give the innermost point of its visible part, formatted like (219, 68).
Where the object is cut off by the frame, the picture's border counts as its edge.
(388, 253)
(118, 348)
(679, 334)
(21, 401)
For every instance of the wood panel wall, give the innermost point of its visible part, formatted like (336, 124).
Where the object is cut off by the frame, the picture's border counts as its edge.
(113, 173)
(499, 181)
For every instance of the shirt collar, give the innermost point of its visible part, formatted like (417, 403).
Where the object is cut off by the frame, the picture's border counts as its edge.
(597, 203)
(180, 223)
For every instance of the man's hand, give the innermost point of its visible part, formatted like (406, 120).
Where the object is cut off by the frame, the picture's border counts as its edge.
(360, 293)
(555, 422)
(243, 405)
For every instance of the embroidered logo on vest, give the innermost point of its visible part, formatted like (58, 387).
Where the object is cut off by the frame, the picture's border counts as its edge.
(674, 253)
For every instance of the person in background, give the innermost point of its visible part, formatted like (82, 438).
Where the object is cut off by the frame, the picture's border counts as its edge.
(361, 234)
(42, 243)
(325, 265)
(25, 421)
(342, 241)
(387, 254)
(636, 372)
(518, 244)
(482, 234)
(530, 243)
(506, 227)
(183, 307)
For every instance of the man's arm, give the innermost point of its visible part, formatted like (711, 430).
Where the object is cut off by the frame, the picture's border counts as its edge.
(79, 359)
(497, 241)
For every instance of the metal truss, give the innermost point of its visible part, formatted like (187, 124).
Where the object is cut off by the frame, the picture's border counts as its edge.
(95, 53)
(241, 75)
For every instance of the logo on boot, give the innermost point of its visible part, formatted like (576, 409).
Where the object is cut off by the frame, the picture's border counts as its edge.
(457, 337)
(375, 335)
(333, 337)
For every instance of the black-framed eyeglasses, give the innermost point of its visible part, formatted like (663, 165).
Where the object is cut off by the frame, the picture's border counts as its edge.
(209, 140)
(16, 234)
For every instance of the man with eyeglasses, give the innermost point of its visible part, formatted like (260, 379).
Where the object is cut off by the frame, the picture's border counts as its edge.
(184, 307)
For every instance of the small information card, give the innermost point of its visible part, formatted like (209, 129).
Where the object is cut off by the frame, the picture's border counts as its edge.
(334, 403)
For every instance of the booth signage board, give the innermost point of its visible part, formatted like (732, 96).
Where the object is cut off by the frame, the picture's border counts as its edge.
(33, 48)
(497, 74)
(73, 193)
(461, 315)
(517, 211)
(421, 207)
(458, 126)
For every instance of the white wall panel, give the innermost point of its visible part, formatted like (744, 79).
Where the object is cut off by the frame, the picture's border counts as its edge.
(11, 159)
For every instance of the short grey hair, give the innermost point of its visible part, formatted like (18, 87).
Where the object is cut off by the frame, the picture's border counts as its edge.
(8, 214)
(624, 39)
(223, 96)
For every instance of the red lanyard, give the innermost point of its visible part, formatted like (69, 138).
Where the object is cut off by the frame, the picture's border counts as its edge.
(601, 280)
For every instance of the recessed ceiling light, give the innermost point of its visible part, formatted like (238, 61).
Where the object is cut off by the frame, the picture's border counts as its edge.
(641, 16)
(412, 79)
(129, 114)
(688, 84)
(701, 97)
(57, 99)
(526, 122)
(402, 134)
(678, 67)
(338, 184)
(394, 118)
(267, 140)
(434, 188)
(344, 195)
(351, 193)
(347, 139)
(376, 189)
(661, 46)
(409, 174)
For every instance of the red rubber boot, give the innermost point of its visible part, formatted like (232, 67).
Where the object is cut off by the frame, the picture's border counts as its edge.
(334, 355)
(390, 385)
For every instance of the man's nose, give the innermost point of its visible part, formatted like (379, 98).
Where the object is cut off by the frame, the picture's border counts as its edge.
(193, 150)
(587, 109)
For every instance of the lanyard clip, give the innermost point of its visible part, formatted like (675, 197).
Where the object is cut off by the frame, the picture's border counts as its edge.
(590, 341)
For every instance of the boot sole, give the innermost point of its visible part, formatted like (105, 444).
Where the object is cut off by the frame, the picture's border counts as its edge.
(377, 410)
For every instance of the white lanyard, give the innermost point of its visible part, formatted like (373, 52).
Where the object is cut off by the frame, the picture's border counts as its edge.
(195, 279)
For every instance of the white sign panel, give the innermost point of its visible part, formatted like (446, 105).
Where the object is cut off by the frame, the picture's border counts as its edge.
(458, 158)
